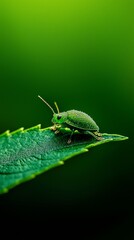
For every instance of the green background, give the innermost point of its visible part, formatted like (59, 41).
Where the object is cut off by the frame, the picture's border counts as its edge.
(80, 54)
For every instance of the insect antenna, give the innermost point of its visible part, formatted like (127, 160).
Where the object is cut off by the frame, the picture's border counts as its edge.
(57, 107)
(46, 104)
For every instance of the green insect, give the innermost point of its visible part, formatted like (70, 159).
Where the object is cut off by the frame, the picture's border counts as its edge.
(75, 121)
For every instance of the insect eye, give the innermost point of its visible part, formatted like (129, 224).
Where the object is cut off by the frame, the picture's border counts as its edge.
(58, 117)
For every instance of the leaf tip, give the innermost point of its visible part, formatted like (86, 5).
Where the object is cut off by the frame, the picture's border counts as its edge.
(61, 162)
(20, 130)
(7, 133)
(38, 126)
(4, 190)
(86, 150)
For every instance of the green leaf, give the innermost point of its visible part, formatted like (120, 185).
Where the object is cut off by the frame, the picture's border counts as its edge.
(27, 153)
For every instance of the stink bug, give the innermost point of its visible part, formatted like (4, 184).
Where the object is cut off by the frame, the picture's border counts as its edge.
(75, 121)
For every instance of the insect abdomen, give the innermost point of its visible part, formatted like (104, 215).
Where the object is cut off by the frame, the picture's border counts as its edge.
(81, 120)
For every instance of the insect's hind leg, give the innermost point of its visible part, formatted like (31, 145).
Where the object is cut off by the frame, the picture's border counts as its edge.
(96, 134)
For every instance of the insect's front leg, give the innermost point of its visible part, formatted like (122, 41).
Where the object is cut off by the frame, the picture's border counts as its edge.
(56, 128)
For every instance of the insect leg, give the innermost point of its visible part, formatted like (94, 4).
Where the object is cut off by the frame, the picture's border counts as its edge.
(69, 140)
(56, 128)
(94, 134)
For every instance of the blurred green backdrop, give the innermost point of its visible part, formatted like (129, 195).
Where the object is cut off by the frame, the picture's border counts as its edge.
(80, 54)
